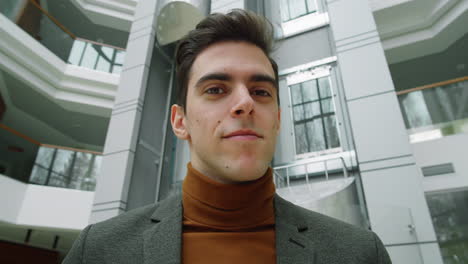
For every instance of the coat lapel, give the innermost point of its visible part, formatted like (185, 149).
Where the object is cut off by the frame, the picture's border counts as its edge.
(291, 245)
(162, 242)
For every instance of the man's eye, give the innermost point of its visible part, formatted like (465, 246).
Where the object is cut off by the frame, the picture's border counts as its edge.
(214, 90)
(260, 92)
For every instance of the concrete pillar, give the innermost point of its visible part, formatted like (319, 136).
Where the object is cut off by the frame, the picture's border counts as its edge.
(119, 152)
(392, 182)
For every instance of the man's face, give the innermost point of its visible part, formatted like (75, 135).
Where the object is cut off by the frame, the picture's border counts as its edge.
(232, 117)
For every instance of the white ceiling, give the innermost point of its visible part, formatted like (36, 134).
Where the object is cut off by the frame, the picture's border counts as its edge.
(415, 28)
(42, 119)
(117, 14)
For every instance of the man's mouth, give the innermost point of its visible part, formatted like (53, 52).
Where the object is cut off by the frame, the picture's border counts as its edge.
(243, 134)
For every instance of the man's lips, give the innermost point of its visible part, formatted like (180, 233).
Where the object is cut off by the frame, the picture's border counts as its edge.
(243, 134)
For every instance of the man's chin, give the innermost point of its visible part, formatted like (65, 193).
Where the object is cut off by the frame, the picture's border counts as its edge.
(246, 171)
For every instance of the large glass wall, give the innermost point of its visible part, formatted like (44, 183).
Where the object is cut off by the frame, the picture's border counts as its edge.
(449, 212)
(96, 56)
(436, 111)
(66, 168)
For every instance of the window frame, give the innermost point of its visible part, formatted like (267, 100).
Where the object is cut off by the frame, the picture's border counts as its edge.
(305, 14)
(70, 174)
(304, 76)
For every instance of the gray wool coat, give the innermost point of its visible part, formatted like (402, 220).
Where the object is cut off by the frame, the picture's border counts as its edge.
(153, 234)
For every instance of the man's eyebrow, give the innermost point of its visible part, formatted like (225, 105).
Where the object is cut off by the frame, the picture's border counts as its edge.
(219, 76)
(216, 76)
(263, 78)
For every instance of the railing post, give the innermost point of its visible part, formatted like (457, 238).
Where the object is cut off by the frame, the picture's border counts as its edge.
(345, 169)
(326, 169)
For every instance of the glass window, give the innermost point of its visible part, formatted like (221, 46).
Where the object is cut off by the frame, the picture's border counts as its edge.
(105, 59)
(297, 8)
(81, 167)
(415, 107)
(66, 169)
(449, 214)
(96, 167)
(39, 175)
(44, 157)
(89, 57)
(435, 107)
(331, 131)
(291, 9)
(315, 135)
(296, 94)
(63, 162)
(298, 112)
(314, 116)
(309, 90)
(311, 110)
(284, 10)
(327, 106)
(57, 180)
(301, 138)
(88, 181)
(324, 84)
(311, 6)
(76, 52)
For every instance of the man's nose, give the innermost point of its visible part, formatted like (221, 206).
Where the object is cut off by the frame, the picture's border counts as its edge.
(243, 102)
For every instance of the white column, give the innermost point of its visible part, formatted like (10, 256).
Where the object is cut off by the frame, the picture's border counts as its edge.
(119, 151)
(391, 179)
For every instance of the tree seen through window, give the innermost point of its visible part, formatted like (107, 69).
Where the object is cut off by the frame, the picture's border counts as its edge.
(314, 116)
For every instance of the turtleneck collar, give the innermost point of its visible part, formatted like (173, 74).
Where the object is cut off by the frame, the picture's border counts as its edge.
(228, 206)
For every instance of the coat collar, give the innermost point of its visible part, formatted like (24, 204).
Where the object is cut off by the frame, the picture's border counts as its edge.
(292, 246)
(163, 241)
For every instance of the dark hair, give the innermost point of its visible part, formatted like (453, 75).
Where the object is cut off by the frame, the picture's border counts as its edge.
(237, 25)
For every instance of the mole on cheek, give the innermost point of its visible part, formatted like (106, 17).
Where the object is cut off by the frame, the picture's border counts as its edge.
(219, 121)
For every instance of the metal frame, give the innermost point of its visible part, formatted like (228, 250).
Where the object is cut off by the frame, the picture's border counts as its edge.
(307, 11)
(345, 169)
(317, 72)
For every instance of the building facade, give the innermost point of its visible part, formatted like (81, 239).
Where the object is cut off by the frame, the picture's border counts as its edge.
(373, 96)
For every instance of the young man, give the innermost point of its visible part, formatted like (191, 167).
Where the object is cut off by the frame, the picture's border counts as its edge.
(228, 111)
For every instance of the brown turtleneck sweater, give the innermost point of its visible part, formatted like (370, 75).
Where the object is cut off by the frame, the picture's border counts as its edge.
(227, 223)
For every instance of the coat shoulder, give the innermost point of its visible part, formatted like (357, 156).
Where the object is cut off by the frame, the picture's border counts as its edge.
(119, 237)
(126, 222)
(334, 240)
(319, 223)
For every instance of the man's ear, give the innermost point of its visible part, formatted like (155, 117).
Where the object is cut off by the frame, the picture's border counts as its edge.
(178, 122)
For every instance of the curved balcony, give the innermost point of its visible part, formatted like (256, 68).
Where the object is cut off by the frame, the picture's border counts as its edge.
(47, 30)
(78, 74)
(325, 185)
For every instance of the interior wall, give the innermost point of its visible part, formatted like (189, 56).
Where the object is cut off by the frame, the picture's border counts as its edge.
(18, 162)
(79, 24)
(449, 64)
